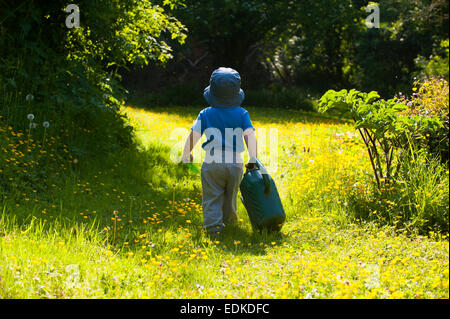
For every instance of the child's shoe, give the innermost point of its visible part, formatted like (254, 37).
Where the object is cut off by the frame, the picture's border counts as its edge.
(214, 231)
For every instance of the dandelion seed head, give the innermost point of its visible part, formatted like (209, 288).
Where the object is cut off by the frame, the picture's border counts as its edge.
(30, 117)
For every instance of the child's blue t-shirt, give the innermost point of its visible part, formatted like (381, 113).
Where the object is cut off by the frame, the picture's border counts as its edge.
(223, 128)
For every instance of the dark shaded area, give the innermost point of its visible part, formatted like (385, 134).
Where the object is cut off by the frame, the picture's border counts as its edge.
(295, 47)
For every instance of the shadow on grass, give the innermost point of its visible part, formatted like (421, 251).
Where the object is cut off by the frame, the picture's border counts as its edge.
(99, 186)
(125, 182)
(136, 184)
(238, 240)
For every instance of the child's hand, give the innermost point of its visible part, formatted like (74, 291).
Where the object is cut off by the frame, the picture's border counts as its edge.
(187, 160)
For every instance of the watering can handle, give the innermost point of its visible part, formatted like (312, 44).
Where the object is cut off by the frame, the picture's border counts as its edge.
(264, 174)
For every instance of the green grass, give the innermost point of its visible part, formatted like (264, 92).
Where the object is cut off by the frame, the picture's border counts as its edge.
(66, 241)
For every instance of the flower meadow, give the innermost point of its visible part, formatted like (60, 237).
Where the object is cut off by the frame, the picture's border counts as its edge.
(129, 225)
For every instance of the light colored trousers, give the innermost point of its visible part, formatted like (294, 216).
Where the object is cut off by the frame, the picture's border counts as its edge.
(220, 185)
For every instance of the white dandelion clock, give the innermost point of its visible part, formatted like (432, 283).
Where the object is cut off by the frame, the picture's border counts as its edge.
(29, 97)
(30, 117)
(46, 125)
(32, 125)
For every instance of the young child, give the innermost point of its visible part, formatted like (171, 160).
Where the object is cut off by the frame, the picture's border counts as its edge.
(225, 124)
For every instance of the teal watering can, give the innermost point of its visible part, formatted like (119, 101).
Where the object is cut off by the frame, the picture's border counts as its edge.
(261, 199)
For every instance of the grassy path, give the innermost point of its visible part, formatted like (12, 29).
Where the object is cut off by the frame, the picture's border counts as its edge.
(74, 245)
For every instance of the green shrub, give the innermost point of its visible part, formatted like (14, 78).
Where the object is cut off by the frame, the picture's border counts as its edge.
(417, 202)
(411, 182)
(69, 77)
(390, 134)
(436, 64)
(430, 99)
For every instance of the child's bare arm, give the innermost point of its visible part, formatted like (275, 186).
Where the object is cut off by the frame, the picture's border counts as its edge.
(191, 141)
(250, 141)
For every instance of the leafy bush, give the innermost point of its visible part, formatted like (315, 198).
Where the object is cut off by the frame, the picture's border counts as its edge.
(436, 64)
(411, 184)
(417, 202)
(70, 75)
(389, 135)
(430, 98)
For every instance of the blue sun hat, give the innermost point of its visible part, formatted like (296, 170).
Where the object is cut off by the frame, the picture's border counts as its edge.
(224, 89)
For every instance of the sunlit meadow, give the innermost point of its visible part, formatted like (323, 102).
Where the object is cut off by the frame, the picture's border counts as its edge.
(130, 227)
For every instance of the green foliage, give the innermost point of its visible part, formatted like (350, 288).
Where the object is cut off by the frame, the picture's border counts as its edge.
(411, 182)
(418, 202)
(384, 59)
(327, 44)
(436, 64)
(389, 136)
(122, 32)
(381, 62)
(230, 28)
(314, 47)
(431, 99)
(72, 73)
